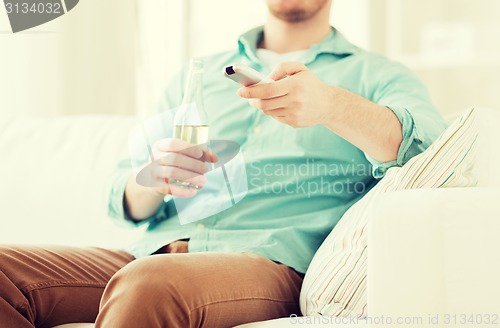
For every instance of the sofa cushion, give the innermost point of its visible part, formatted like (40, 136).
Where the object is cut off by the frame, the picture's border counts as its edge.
(335, 283)
(439, 260)
(55, 172)
(488, 154)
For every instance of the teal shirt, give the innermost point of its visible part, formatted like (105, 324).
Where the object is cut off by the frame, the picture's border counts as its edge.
(301, 181)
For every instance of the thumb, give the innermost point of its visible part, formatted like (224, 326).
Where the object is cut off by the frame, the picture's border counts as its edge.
(286, 69)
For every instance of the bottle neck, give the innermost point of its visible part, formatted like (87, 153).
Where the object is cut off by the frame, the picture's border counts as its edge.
(194, 88)
(192, 111)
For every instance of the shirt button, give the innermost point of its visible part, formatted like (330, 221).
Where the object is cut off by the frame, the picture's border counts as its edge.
(200, 226)
(257, 129)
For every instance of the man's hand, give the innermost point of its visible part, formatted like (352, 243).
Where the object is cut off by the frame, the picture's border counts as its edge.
(174, 160)
(178, 160)
(297, 98)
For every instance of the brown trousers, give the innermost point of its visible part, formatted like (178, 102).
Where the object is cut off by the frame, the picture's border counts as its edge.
(44, 287)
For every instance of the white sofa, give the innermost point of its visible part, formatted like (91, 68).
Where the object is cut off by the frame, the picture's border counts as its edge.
(432, 252)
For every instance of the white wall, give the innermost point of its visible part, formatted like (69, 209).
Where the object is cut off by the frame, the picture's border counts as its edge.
(353, 18)
(82, 62)
(452, 45)
(29, 66)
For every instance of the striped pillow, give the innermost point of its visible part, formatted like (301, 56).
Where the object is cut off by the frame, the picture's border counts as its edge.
(335, 283)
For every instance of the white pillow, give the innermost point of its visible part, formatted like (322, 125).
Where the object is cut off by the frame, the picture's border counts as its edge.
(335, 283)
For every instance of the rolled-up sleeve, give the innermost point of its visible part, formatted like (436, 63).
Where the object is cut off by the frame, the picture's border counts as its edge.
(117, 185)
(405, 95)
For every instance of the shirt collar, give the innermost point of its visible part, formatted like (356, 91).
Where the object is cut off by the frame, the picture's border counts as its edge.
(335, 43)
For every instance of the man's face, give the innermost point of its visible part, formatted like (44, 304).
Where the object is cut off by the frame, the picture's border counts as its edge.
(294, 11)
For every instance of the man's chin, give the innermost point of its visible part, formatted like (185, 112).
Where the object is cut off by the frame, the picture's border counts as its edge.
(292, 16)
(295, 12)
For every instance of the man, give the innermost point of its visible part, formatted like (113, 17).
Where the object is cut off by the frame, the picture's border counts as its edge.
(310, 140)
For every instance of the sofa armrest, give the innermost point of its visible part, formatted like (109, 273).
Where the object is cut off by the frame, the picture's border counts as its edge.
(434, 252)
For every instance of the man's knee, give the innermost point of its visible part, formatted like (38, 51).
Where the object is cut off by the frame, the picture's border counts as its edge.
(148, 285)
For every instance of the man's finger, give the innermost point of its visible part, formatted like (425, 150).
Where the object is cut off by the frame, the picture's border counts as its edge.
(161, 173)
(173, 190)
(268, 104)
(286, 69)
(264, 91)
(182, 161)
(177, 145)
